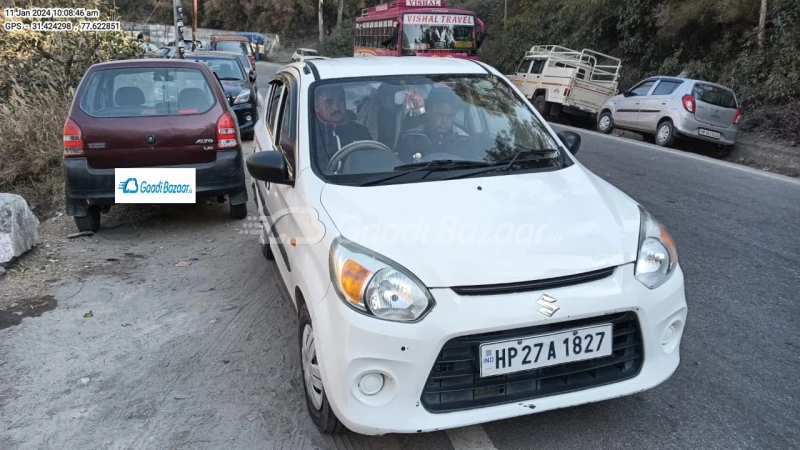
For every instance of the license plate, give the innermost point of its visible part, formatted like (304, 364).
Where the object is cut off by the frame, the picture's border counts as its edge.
(516, 355)
(711, 134)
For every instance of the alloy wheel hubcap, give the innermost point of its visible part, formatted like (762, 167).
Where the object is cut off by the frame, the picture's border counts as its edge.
(311, 371)
(604, 122)
(663, 134)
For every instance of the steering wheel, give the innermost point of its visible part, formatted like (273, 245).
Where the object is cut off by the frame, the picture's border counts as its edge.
(353, 147)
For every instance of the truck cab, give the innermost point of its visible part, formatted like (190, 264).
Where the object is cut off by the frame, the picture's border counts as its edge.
(559, 79)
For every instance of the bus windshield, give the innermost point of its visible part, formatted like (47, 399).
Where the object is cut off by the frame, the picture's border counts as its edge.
(423, 32)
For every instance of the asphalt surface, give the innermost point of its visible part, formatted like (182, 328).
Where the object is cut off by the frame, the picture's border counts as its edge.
(738, 236)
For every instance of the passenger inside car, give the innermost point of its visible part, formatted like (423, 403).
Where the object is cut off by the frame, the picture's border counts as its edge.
(335, 128)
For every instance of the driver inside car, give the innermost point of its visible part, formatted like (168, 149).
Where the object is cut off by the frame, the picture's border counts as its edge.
(438, 134)
(335, 129)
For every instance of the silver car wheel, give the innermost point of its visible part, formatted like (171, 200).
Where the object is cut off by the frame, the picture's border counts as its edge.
(311, 371)
(605, 122)
(663, 133)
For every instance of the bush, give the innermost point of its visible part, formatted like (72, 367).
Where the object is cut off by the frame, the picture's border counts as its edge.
(38, 75)
(340, 42)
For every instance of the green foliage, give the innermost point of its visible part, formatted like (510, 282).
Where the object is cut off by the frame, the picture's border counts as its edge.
(340, 42)
(38, 74)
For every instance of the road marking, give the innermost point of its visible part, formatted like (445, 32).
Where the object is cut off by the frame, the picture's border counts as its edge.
(470, 438)
(731, 165)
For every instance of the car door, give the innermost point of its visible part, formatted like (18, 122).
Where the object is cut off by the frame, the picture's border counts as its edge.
(626, 112)
(282, 200)
(655, 104)
(521, 75)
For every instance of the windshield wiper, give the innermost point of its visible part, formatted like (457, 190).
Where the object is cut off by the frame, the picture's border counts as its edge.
(523, 155)
(431, 166)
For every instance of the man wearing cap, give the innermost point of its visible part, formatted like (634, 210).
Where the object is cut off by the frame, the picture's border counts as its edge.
(438, 134)
(335, 129)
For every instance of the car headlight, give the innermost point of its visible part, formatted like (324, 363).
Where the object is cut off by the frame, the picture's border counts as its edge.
(244, 97)
(376, 286)
(657, 255)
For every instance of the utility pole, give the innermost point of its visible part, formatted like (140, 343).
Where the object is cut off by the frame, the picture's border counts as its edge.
(194, 25)
(505, 14)
(179, 28)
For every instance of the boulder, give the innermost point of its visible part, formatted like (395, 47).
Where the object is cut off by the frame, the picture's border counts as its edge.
(19, 227)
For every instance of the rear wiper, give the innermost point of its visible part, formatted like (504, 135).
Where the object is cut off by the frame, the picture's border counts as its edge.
(522, 155)
(431, 166)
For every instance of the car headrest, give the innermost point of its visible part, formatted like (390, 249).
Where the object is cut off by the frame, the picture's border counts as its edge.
(192, 98)
(129, 96)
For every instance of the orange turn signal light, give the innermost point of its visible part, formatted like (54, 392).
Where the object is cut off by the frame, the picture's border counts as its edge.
(353, 278)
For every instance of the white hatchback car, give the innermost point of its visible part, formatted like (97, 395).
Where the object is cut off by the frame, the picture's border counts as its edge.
(301, 54)
(451, 262)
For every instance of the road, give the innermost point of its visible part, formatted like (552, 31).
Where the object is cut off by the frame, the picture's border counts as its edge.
(204, 356)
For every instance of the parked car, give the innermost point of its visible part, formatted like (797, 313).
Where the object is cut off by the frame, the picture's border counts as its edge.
(302, 54)
(170, 52)
(471, 272)
(123, 115)
(239, 86)
(232, 43)
(671, 108)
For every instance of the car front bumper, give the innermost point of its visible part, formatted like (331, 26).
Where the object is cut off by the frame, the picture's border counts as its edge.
(352, 344)
(246, 116)
(87, 186)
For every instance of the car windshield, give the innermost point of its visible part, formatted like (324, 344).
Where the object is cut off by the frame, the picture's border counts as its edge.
(390, 125)
(232, 46)
(146, 91)
(714, 95)
(226, 68)
(423, 32)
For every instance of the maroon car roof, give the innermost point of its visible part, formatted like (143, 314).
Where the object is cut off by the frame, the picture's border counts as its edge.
(146, 62)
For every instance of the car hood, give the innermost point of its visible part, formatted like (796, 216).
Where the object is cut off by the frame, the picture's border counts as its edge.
(491, 230)
(233, 87)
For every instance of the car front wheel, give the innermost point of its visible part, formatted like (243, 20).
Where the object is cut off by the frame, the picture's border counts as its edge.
(605, 123)
(90, 222)
(317, 402)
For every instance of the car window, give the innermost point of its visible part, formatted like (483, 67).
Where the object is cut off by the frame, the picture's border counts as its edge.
(714, 95)
(226, 68)
(524, 66)
(137, 92)
(643, 88)
(286, 135)
(277, 91)
(475, 118)
(538, 66)
(666, 87)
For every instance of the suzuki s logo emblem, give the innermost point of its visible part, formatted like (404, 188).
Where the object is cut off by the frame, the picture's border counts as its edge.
(547, 303)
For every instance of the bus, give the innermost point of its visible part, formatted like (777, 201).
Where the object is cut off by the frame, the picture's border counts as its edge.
(417, 28)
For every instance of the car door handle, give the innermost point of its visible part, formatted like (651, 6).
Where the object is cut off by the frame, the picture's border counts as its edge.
(664, 102)
(638, 103)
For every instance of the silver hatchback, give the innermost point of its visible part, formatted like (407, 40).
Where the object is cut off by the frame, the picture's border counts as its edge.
(669, 108)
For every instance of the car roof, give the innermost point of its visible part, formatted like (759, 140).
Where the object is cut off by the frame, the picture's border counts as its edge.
(691, 80)
(230, 38)
(145, 62)
(217, 54)
(353, 67)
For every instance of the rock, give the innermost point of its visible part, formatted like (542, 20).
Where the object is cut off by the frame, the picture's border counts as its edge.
(2, 271)
(19, 227)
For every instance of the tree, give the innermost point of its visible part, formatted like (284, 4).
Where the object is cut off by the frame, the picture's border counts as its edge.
(762, 26)
(319, 18)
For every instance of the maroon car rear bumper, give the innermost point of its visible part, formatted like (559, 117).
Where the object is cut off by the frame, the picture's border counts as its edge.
(86, 186)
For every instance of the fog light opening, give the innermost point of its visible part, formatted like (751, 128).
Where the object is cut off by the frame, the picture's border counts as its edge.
(371, 383)
(248, 117)
(672, 335)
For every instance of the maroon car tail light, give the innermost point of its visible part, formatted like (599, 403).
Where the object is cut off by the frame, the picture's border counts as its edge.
(737, 117)
(689, 103)
(226, 132)
(73, 140)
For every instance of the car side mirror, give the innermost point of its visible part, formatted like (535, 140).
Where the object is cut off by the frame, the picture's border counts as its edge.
(269, 166)
(571, 140)
(626, 93)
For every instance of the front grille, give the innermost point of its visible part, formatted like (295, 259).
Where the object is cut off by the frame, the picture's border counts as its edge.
(455, 384)
(535, 285)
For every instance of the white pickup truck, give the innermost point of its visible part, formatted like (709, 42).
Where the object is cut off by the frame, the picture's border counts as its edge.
(560, 79)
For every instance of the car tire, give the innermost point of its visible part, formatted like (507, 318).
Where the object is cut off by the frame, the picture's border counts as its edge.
(605, 123)
(90, 222)
(266, 250)
(238, 212)
(539, 103)
(316, 400)
(665, 134)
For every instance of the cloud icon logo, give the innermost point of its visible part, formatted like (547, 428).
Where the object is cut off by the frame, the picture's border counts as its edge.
(129, 186)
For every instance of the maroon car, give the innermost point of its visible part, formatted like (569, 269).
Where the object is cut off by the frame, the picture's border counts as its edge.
(150, 113)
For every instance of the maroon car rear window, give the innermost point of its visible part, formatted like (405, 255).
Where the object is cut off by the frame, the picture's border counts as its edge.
(146, 91)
